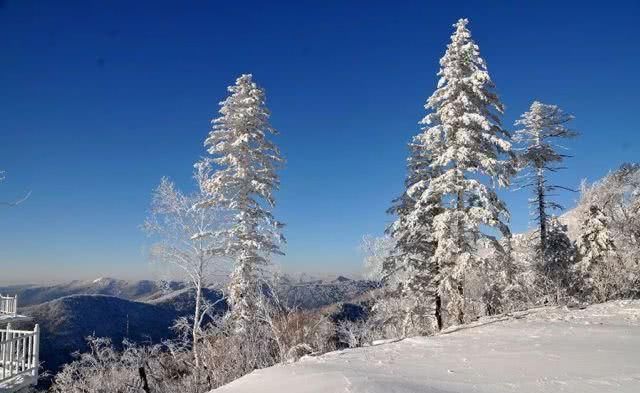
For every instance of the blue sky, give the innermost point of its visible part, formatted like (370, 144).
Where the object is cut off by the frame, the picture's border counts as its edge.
(101, 99)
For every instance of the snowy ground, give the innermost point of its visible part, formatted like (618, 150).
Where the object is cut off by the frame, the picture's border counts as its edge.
(542, 350)
(5, 318)
(16, 383)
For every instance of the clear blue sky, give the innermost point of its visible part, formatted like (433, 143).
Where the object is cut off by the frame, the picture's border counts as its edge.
(99, 99)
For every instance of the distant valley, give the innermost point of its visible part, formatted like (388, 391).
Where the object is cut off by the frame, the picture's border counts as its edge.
(140, 311)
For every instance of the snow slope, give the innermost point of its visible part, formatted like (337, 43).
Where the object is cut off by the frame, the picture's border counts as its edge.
(547, 349)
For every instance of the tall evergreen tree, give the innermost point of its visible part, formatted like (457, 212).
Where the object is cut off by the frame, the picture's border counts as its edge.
(245, 182)
(542, 125)
(464, 137)
(414, 242)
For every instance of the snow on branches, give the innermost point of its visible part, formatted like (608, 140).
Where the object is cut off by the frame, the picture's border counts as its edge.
(542, 125)
(191, 239)
(244, 182)
(464, 138)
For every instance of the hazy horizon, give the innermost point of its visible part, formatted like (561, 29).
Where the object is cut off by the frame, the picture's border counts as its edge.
(151, 277)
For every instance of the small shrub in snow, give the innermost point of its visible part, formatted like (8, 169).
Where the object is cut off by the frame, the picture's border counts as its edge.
(298, 351)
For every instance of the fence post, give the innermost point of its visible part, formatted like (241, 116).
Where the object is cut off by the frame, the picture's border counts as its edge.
(10, 347)
(3, 348)
(36, 351)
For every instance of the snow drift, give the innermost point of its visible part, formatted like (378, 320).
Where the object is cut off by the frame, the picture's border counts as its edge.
(549, 349)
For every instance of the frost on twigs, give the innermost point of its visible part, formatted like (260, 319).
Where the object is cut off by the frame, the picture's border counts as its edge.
(542, 126)
(190, 240)
(607, 226)
(15, 202)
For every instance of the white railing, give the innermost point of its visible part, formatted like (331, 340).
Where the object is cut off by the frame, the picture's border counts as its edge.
(19, 353)
(8, 305)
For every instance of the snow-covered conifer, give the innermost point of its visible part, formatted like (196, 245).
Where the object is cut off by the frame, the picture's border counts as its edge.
(466, 142)
(542, 125)
(411, 262)
(595, 242)
(559, 255)
(598, 265)
(617, 197)
(245, 183)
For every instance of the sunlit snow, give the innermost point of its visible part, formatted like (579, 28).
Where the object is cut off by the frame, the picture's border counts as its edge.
(547, 349)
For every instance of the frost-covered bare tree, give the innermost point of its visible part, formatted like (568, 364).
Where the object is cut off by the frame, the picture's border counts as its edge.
(617, 197)
(283, 335)
(376, 251)
(244, 182)
(191, 239)
(464, 138)
(542, 126)
(16, 202)
(103, 369)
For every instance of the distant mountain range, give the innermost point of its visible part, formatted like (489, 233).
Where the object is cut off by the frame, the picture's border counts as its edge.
(320, 293)
(140, 311)
(65, 323)
(32, 294)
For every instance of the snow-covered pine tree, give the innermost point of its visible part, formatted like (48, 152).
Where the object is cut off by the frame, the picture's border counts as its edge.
(597, 251)
(245, 182)
(464, 137)
(412, 259)
(542, 125)
(595, 242)
(559, 255)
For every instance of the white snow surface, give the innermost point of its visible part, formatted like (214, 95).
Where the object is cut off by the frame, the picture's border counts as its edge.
(549, 349)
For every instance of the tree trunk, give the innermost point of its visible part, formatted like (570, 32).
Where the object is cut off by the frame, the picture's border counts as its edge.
(243, 293)
(460, 235)
(196, 324)
(145, 381)
(439, 312)
(461, 309)
(542, 215)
